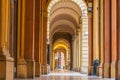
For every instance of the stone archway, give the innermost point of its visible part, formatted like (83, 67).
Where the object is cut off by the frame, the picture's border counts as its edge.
(73, 20)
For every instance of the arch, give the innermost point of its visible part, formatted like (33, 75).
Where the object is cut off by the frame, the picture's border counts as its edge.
(64, 16)
(67, 4)
(81, 20)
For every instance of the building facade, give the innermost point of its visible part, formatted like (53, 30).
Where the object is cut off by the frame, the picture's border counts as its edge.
(32, 32)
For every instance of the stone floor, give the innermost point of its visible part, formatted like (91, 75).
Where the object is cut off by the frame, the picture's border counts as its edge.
(66, 75)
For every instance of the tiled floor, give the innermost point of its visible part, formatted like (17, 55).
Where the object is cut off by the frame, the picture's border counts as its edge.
(66, 76)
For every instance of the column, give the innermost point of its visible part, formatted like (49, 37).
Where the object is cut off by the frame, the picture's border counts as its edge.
(101, 39)
(51, 55)
(107, 38)
(43, 36)
(37, 39)
(21, 63)
(118, 38)
(90, 42)
(114, 38)
(96, 29)
(74, 54)
(6, 61)
(77, 54)
(79, 49)
(29, 29)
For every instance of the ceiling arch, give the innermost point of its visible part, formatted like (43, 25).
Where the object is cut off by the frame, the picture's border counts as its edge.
(64, 11)
(62, 29)
(80, 3)
(61, 43)
(63, 16)
(62, 22)
(66, 4)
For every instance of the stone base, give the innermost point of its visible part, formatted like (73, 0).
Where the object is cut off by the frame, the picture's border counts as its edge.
(42, 69)
(21, 69)
(79, 69)
(106, 70)
(118, 76)
(45, 69)
(76, 69)
(37, 69)
(30, 69)
(113, 70)
(6, 68)
(90, 70)
(100, 70)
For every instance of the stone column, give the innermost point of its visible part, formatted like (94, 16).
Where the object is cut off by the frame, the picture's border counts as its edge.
(74, 57)
(6, 61)
(37, 39)
(101, 39)
(118, 38)
(43, 36)
(51, 54)
(107, 38)
(96, 34)
(21, 63)
(79, 49)
(29, 29)
(90, 41)
(114, 38)
(77, 54)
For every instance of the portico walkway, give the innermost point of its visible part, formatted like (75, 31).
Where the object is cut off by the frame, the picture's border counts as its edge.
(67, 75)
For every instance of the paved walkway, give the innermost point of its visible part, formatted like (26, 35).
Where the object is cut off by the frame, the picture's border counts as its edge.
(66, 75)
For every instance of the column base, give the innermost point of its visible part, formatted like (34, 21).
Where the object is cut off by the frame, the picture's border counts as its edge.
(76, 69)
(6, 65)
(118, 71)
(6, 68)
(90, 70)
(21, 69)
(113, 70)
(100, 70)
(45, 69)
(30, 69)
(79, 69)
(37, 69)
(106, 70)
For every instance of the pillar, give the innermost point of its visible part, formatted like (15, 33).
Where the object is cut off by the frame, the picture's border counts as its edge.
(114, 38)
(118, 33)
(79, 49)
(43, 36)
(96, 29)
(100, 73)
(29, 29)
(21, 63)
(90, 41)
(37, 39)
(77, 53)
(51, 55)
(74, 53)
(6, 61)
(107, 38)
